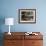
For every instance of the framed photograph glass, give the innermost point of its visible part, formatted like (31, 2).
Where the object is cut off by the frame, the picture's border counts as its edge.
(27, 15)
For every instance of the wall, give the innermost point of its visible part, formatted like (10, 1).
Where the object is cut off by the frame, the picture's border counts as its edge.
(9, 8)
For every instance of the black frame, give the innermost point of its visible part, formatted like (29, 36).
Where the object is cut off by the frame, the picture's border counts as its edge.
(27, 11)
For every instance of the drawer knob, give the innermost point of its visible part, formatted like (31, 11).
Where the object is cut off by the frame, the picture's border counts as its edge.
(33, 42)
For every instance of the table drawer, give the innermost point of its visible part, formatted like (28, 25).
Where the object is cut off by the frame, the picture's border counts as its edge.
(16, 37)
(33, 43)
(33, 37)
(13, 43)
(9, 43)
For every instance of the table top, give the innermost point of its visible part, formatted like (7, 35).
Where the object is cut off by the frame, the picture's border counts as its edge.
(22, 35)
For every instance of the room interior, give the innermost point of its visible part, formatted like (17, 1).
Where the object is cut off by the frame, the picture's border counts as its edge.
(10, 9)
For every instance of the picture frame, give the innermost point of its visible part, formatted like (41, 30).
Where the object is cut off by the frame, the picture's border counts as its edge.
(27, 16)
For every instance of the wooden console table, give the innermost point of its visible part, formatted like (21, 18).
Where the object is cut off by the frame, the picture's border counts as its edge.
(20, 39)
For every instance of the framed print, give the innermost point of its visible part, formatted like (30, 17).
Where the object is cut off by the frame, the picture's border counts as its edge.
(27, 15)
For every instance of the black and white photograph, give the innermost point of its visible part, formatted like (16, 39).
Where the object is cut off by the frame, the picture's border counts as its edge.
(27, 15)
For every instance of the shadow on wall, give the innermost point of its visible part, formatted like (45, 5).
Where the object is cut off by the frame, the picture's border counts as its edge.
(2, 21)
